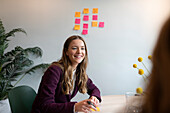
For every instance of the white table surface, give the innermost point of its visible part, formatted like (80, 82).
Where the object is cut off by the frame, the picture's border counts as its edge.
(112, 104)
(109, 104)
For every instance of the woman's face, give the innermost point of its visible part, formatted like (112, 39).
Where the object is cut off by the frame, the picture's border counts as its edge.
(76, 52)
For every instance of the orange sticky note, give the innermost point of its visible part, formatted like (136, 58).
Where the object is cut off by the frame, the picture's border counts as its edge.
(95, 10)
(86, 10)
(96, 108)
(77, 27)
(94, 24)
(77, 14)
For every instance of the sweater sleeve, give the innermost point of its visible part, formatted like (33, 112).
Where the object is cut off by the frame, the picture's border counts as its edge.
(93, 90)
(47, 92)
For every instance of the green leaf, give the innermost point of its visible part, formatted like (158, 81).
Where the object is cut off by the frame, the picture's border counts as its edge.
(2, 30)
(12, 32)
(39, 66)
(2, 48)
(35, 51)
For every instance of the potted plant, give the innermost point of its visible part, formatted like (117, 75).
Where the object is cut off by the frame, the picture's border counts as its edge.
(15, 63)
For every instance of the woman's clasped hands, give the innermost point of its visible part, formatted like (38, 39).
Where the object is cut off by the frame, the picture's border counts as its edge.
(84, 106)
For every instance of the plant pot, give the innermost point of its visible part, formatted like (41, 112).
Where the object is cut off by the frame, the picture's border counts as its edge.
(4, 106)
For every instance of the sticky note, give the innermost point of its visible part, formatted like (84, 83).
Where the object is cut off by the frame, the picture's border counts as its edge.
(96, 108)
(86, 18)
(85, 26)
(77, 21)
(95, 17)
(94, 24)
(85, 32)
(77, 14)
(77, 27)
(95, 10)
(86, 10)
(101, 24)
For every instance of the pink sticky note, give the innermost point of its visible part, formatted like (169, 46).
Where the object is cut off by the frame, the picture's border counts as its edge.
(101, 24)
(95, 17)
(85, 32)
(85, 26)
(86, 18)
(77, 21)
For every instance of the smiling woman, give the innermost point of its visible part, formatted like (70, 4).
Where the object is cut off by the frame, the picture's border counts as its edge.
(64, 78)
(76, 52)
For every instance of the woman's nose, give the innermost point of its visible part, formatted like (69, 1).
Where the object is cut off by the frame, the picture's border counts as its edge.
(79, 50)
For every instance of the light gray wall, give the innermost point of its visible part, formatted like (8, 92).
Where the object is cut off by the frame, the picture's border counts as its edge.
(131, 29)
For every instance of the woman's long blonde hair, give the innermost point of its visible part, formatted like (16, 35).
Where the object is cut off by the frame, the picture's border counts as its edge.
(65, 64)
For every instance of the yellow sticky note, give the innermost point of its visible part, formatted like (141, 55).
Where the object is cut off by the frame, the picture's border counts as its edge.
(86, 10)
(96, 108)
(95, 10)
(77, 14)
(77, 27)
(94, 24)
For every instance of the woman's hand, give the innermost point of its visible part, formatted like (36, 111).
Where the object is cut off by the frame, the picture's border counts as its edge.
(94, 100)
(83, 106)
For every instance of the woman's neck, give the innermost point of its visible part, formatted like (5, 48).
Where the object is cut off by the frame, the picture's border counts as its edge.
(74, 67)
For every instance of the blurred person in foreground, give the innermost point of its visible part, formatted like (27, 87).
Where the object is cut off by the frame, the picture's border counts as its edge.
(157, 97)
